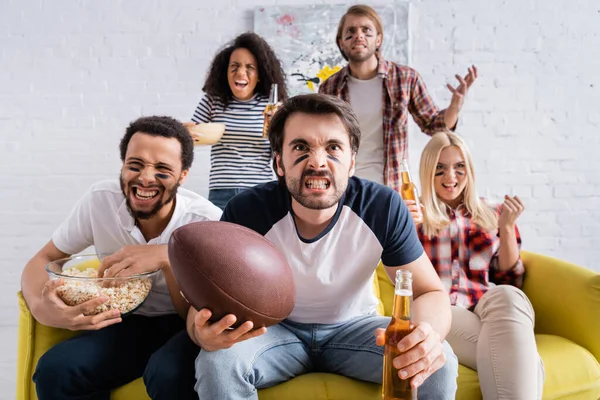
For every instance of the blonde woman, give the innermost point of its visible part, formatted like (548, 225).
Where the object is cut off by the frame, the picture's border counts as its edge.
(474, 248)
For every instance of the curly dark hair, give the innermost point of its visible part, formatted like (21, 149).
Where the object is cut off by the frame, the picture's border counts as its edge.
(161, 126)
(270, 69)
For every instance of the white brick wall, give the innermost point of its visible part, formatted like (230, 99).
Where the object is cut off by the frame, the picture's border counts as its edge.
(73, 73)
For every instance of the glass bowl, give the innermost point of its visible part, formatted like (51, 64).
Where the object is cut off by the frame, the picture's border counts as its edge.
(125, 293)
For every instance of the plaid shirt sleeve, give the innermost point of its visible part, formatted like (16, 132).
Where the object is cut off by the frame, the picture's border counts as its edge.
(421, 106)
(333, 84)
(512, 276)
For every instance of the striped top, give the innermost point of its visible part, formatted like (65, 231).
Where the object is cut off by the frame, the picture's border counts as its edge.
(242, 158)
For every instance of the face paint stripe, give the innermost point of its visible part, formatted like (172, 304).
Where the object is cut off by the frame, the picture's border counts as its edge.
(300, 159)
(335, 159)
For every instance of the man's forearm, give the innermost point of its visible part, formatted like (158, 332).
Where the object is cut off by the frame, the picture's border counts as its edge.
(179, 302)
(181, 305)
(433, 308)
(34, 278)
(451, 116)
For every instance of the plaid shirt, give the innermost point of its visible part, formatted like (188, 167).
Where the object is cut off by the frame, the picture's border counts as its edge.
(465, 257)
(404, 93)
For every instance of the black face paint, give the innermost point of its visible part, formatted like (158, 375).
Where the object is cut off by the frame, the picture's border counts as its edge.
(300, 159)
(134, 169)
(332, 158)
(439, 173)
(161, 176)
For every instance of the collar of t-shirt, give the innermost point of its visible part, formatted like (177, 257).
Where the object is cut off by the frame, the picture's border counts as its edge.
(128, 223)
(245, 101)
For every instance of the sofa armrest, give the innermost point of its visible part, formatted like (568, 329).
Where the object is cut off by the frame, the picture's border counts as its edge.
(566, 299)
(34, 340)
(24, 350)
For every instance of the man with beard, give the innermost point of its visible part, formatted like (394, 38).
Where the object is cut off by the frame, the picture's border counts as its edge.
(382, 94)
(129, 222)
(333, 228)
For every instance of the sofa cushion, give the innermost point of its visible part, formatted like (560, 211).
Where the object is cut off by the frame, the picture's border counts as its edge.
(468, 384)
(321, 386)
(571, 370)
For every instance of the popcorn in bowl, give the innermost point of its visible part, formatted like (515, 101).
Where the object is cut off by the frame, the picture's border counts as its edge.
(81, 284)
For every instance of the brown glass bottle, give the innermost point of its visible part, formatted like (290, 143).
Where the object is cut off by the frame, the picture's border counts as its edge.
(408, 190)
(270, 109)
(395, 388)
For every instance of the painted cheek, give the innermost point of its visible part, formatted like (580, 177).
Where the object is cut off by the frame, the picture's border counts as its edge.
(300, 159)
(161, 176)
(334, 159)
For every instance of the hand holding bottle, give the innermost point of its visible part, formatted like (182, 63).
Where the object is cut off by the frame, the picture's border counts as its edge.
(270, 110)
(416, 211)
(421, 353)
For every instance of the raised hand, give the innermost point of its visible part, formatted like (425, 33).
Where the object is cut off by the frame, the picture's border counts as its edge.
(511, 209)
(460, 92)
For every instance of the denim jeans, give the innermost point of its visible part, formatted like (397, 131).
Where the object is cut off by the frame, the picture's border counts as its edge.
(89, 366)
(220, 197)
(290, 349)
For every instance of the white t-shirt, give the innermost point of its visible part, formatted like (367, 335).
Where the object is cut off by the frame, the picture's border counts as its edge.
(101, 219)
(366, 99)
(333, 272)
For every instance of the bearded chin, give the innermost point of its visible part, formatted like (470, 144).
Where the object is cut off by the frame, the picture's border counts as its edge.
(143, 215)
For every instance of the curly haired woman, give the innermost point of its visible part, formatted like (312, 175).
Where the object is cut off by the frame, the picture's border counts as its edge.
(236, 92)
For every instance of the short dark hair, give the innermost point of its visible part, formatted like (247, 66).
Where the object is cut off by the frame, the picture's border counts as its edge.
(161, 126)
(315, 104)
(269, 67)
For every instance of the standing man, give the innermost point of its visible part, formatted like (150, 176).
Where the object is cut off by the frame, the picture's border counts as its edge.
(333, 229)
(129, 221)
(382, 94)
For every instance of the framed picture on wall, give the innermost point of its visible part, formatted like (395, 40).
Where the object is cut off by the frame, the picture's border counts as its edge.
(304, 39)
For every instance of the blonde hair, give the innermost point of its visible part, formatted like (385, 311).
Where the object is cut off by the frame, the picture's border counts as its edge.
(435, 217)
(363, 11)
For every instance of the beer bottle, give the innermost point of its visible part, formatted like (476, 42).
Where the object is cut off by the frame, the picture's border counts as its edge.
(270, 109)
(395, 388)
(408, 190)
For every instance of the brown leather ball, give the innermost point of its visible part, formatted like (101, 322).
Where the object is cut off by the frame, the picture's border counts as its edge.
(230, 269)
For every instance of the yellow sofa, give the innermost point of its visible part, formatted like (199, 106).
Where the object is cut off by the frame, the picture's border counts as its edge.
(566, 299)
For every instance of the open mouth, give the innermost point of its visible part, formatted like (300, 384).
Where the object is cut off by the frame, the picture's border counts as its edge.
(240, 84)
(317, 183)
(450, 186)
(144, 194)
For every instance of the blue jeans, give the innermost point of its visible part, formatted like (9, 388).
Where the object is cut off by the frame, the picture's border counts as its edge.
(290, 349)
(220, 197)
(89, 366)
